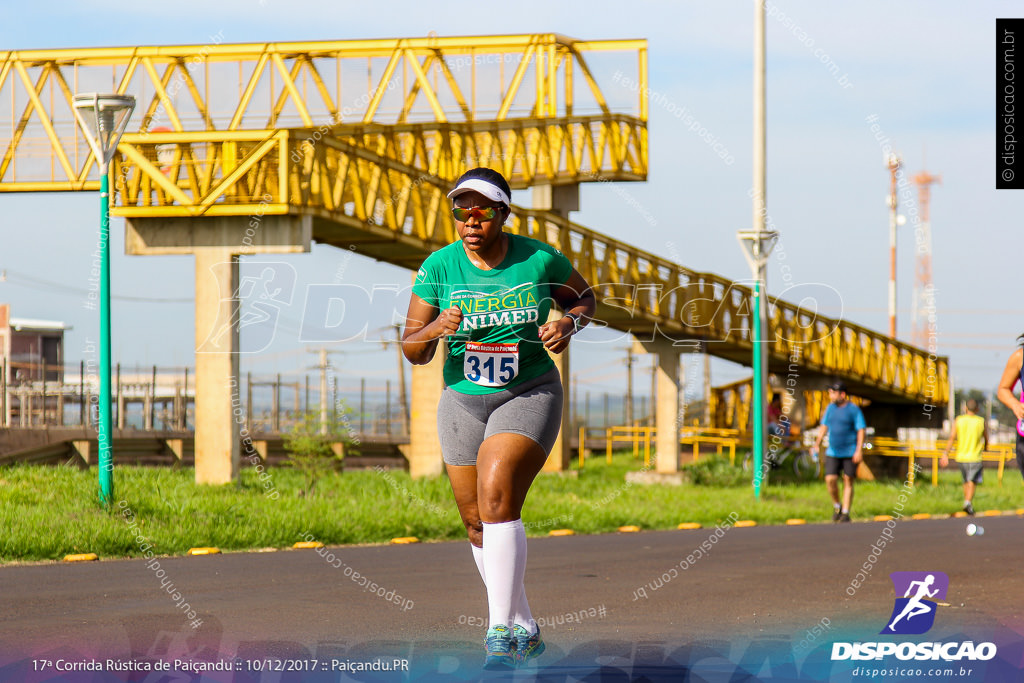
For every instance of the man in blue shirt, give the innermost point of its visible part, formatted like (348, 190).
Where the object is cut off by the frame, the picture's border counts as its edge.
(844, 423)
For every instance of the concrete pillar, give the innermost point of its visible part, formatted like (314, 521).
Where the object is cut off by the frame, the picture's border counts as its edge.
(795, 408)
(176, 447)
(424, 451)
(560, 200)
(217, 309)
(216, 243)
(83, 449)
(261, 448)
(148, 407)
(561, 452)
(120, 399)
(667, 405)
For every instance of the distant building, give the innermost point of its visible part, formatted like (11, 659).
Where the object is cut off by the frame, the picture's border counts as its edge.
(31, 350)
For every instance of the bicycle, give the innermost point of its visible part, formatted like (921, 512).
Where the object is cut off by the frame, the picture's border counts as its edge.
(805, 465)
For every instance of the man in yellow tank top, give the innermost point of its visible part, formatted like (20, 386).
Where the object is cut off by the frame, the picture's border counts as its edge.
(970, 433)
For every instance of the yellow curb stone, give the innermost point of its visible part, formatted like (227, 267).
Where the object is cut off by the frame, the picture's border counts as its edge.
(81, 557)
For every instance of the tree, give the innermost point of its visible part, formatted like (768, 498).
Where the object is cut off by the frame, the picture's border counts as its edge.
(1001, 413)
(315, 454)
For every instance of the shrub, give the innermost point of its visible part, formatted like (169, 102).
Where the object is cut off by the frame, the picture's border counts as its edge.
(715, 471)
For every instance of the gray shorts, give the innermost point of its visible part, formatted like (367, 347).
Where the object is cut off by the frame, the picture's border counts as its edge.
(533, 409)
(971, 471)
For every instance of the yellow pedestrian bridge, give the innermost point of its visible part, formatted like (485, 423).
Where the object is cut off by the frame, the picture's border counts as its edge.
(261, 148)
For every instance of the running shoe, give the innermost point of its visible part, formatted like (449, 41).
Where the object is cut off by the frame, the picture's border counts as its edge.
(527, 646)
(499, 648)
(836, 515)
(969, 509)
(844, 517)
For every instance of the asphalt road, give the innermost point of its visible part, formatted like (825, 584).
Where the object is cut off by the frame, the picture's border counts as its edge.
(765, 600)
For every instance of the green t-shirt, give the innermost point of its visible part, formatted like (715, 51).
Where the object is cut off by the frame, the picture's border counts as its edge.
(497, 346)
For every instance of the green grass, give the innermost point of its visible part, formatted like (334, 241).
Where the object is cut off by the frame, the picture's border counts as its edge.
(47, 512)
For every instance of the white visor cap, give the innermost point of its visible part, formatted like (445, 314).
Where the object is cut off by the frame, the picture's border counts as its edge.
(485, 188)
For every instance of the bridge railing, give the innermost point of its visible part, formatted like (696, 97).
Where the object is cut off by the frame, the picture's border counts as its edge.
(999, 453)
(43, 396)
(641, 440)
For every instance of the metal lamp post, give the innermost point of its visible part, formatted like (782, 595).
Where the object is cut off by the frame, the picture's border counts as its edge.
(103, 119)
(757, 247)
(757, 244)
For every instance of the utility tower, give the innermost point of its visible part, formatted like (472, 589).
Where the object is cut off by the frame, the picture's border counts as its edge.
(325, 368)
(924, 292)
(894, 164)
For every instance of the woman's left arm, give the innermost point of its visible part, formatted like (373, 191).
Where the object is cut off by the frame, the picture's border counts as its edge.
(575, 297)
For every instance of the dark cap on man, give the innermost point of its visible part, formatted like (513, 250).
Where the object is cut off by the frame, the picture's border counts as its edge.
(838, 386)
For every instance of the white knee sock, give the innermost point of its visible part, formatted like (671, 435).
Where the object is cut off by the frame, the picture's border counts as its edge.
(521, 608)
(478, 557)
(523, 615)
(504, 564)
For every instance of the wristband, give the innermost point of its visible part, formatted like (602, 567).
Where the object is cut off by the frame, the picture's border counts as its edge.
(575, 317)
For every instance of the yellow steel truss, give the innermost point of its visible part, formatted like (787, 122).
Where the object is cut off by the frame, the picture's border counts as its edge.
(528, 103)
(730, 406)
(195, 173)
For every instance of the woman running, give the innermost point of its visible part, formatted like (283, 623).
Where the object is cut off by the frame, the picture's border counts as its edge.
(488, 295)
(1012, 373)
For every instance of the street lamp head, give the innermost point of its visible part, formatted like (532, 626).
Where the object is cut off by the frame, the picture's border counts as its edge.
(757, 246)
(103, 118)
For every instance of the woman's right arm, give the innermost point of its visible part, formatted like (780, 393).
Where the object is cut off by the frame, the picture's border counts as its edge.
(1010, 376)
(424, 326)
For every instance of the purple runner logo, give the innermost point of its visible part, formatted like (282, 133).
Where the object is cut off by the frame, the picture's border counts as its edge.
(914, 613)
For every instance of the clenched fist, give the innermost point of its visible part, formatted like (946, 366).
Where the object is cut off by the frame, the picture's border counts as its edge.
(556, 334)
(448, 321)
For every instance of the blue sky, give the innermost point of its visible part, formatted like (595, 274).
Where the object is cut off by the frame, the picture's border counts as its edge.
(924, 70)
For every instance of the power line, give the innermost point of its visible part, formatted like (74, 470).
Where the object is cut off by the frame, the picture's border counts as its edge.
(939, 311)
(20, 279)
